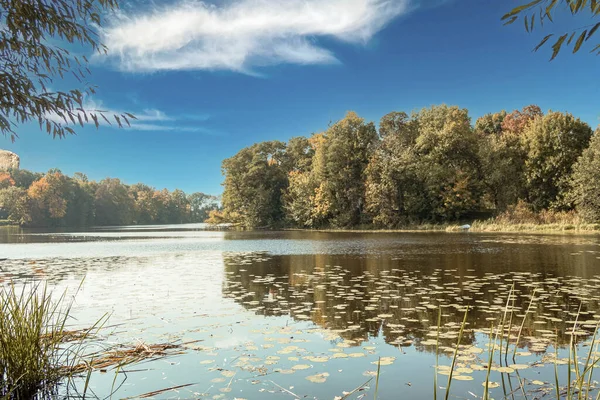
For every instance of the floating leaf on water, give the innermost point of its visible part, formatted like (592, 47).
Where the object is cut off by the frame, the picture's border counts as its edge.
(537, 382)
(340, 355)
(319, 378)
(462, 377)
(207, 361)
(300, 367)
(505, 370)
(356, 355)
(491, 385)
(384, 361)
(217, 380)
(519, 366)
(318, 359)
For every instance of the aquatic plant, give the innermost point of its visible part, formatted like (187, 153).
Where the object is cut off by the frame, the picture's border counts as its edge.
(36, 350)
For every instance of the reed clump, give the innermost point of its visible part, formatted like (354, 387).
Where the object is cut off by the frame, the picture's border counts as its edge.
(35, 346)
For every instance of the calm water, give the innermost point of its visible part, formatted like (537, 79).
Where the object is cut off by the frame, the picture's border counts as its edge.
(285, 314)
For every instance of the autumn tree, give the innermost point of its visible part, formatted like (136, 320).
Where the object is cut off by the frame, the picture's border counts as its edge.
(48, 196)
(553, 144)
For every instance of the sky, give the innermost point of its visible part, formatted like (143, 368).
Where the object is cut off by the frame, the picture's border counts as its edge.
(206, 79)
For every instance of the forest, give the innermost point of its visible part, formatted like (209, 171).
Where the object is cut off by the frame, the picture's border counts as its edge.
(54, 199)
(432, 166)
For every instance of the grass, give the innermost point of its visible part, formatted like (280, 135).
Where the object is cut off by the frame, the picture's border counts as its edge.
(36, 350)
(577, 387)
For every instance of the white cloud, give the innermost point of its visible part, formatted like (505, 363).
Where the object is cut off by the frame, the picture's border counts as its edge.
(238, 35)
(145, 120)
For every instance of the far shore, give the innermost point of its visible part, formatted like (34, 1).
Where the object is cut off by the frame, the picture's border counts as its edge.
(477, 227)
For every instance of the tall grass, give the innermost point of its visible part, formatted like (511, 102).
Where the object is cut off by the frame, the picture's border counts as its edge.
(577, 387)
(34, 355)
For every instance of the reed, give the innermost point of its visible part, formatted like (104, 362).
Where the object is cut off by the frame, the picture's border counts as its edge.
(35, 352)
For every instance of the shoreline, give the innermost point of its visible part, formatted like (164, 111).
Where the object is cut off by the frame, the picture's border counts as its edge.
(476, 227)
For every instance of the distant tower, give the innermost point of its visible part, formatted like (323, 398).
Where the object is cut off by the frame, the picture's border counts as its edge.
(9, 160)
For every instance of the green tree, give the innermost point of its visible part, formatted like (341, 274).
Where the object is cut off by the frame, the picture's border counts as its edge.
(490, 123)
(254, 181)
(394, 193)
(15, 202)
(339, 166)
(553, 144)
(24, 178)
(201, 205)
(113, 203)
(586, 181)
(32, 57)
(537, 11)
(447, 161)
(502, 155)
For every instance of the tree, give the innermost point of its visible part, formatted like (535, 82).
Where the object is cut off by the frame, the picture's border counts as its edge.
(394, 193)
(543, 9)
(113, 203)
(201, 205)
(516, 122)
(553, 144)
(254, 181)
(339, 164)
(31, 60)
(48, 198)
(586, 181)
(15, 202)
(503, 156)
(447, 160)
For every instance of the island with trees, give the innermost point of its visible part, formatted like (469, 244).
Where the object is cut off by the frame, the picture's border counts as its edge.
(433, 166)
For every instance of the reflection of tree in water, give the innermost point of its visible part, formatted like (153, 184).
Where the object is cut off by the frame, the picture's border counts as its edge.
(360, 298)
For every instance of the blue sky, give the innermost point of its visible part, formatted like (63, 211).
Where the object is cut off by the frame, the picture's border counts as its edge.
(207, 79)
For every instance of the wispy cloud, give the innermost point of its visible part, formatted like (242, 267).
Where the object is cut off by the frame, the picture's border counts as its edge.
(145, 120)
(239, 35)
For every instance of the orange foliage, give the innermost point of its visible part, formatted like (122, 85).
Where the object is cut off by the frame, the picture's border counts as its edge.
(6, 180)
(517, 121)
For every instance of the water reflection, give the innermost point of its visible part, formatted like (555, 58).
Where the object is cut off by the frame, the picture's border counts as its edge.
(364, 297)
(282, 307)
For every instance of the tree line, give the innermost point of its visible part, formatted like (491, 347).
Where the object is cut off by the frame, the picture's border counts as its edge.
(433, 165)
(54, 199)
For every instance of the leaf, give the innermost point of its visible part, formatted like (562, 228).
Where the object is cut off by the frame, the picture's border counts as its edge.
(532, 21)
(556, 46)
(526, 24)
(592, 31)
(596, 48)
(571, 38)
(510, 21)
(579, 41)
(544, 40)
(517, 10)
(549, 9)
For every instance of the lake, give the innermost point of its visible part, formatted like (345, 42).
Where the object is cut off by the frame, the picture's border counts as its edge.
(299, 314)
